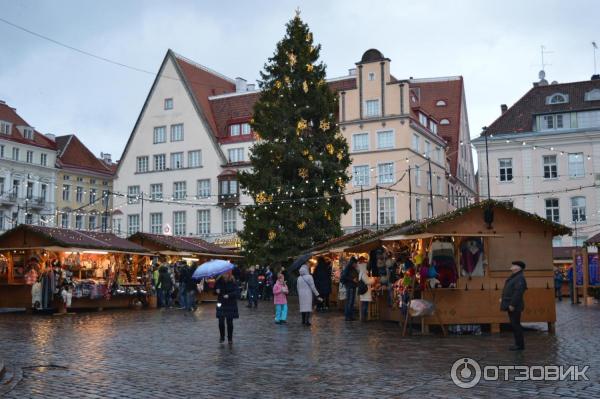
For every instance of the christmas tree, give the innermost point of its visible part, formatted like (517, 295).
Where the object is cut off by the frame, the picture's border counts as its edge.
(300, 160)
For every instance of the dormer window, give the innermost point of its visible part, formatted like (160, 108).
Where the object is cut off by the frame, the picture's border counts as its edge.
(440, 103)
(4, 127)
(239, 128)
(371, 75)
(28, 133)
(592, 95)
(433, 126)
(422, 119)
(557, 98)
(444, 122)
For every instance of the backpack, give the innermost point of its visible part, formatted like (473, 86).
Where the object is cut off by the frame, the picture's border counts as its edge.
(362, 287)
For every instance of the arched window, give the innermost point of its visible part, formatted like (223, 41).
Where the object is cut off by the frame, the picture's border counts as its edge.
(557, 98)
(444, 122)
(441, 103)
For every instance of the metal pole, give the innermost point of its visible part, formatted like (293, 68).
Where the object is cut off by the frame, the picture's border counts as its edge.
(409, 195)
(430, 185)
(362, 209)
(142, 215)
(377, 205)
(107, 196)
(487, 162)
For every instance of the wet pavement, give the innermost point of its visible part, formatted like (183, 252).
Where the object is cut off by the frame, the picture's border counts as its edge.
(176, 354)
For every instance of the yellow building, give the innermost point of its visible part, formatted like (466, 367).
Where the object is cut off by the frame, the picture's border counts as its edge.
(84, 186)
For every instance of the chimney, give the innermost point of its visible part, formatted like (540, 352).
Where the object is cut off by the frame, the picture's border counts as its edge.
(503, 108)
(106, 157)
(251, 87)
(240, 85)
(50, 136)
(352, 72)
(596, 77)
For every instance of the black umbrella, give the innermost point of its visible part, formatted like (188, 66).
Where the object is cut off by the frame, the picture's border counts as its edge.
(300, 260)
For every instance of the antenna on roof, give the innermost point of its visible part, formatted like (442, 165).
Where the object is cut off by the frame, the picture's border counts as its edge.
(595, 46)
(542, 52)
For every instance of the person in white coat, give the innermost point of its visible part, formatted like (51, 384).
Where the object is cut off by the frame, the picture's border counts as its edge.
(306, 288)
(367, 297)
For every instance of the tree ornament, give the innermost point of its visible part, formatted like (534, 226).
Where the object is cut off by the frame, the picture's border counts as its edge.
(309, 67)
(340, 182)
(321, 82)
(278, 84)
(261, 198)
(303, 173)
(305, 152)
(327, 215)
(287, 81)
(302, 225)
(329, 148)
(340, 155)
(310, 158)
(272, 235)
(324, 125)
(305, 86)
(292, 59)
(309, 37)
(302, 124)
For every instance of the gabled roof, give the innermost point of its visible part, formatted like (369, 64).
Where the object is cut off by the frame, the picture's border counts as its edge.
(451, 91)
(72, 153)
(31, 236)
(180, 244)
(520, 116)
(9, 114)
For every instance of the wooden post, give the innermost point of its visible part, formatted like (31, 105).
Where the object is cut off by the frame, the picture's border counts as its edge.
(586, 274)
(573, 282)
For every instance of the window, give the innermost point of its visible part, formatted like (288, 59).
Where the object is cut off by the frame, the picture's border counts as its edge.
(372, 108)
(133, 194)
(28, 133)
(229, 187)
(433, 127)
(430, 209)
(29, 192)
(156, 223)
(438, 154)
(235, 155)
(429, 182)
(387, 211)
(506, 170)
(160, 135)
(579, 241)
(79, 194)
(160, 162)
(105, 198)
(556, 121)
(371, 75)
(203, 190)
(557, 242)
(79, 222)
(176, 160)
(43, 159)
(548, 122)
(229, 220)
(550, 167)
(66, 192)
(168, 103)
(427, 149)
(360, 142)
(64, 223)
(385, 173)
(93, 196)
(177, 132)
(361, 175)
(133, 224)
(418, 176)
(179, 190)
(246, 128)
(385, 139)
(29, 157)
(234, 130)
(576, 167)
(117, 225)
(552, 210)
(423, 119)
(440, 103)
(557, 98)
(92, 222)
(592, 95)
(444, 122)
(92, 181)
(156, 192)
(1, 152)
(418, 209)
(578, 209)
(142, 164)
(4, 127)
(440, 188)
(104, 222)
(415, 142)
(203, 225)
(15, 154)
(67, 177)
(194, 159)
(362, 212)
(588, 119)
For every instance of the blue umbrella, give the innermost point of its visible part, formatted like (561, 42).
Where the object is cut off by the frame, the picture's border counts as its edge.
(300, 260)
(212, 268)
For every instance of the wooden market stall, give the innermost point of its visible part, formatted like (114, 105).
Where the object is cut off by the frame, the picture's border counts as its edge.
(189, 249)
(95, 270)
(471, 250)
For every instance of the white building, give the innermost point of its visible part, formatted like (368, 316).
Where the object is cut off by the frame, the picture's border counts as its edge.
(544, 156)
(178, 169)
(27, 172)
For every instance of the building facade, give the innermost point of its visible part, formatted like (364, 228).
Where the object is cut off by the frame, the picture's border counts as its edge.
(544, 156)
(27, 172)
(84, 186)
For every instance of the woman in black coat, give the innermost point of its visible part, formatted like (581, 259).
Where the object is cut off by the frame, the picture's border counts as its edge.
(322, 277)
(227, 291)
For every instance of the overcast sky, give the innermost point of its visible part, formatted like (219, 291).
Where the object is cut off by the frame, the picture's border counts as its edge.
(495, 46)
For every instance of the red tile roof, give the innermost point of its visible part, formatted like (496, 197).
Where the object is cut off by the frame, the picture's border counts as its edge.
(9, 114)
(74, 154)
(233, 108)
(451, 91)
(520, 117)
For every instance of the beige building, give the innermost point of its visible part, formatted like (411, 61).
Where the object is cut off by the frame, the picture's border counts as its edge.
(84, 186)
(399, 163)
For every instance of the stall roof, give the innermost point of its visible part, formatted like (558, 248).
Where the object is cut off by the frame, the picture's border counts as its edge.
(339, 243)
(411, 228)
(594, 240)
(181, 245)
(30, 236)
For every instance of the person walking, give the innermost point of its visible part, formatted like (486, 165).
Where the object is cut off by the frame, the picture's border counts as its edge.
(306, 288)
(227, 292)
(252, 287)
(558, 282)
(182, 272)
(513, 303)
(280, 292)
(268, 290)
(165, 285)
(349, 278)
(366, 298)
(322, 277)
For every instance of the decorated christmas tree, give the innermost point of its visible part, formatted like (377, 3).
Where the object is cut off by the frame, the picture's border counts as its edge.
(300, 160)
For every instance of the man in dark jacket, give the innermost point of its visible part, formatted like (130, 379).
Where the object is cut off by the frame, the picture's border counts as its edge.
(252, 287)
(349, 278)
(512, 302)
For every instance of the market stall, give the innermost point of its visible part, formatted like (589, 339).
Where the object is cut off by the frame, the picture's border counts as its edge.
(51, 268)
(459, 262)
(174, 249)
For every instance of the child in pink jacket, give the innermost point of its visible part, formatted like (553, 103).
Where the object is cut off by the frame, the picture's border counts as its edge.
(280, 292)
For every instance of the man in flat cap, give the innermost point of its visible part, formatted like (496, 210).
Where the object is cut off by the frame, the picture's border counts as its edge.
(512, 301)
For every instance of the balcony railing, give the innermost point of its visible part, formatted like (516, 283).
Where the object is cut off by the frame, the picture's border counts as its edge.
(229, 200)
(37, 202)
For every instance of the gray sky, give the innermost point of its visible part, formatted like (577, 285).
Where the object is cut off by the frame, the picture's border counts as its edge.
(494, 45)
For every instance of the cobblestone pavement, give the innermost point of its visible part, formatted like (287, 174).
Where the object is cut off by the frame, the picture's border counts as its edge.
(174, 354)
